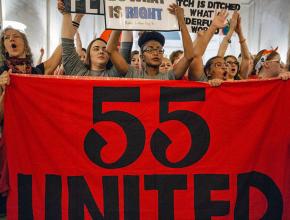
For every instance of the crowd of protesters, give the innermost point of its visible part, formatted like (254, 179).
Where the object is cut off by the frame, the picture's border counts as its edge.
(103, 58)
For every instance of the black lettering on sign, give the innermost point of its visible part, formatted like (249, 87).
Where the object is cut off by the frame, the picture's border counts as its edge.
(84, 6)
(165, 184)
(53, 192)
(80, 196)
(132, 127)
(201, 4)
(204, 207)
(25, 211)
(186, 3)
(131, 198)
(115, 11)
(267, 186)
(196, 125)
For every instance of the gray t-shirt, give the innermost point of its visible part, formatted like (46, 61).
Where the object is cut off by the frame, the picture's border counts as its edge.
(74, 66)
(141, 74)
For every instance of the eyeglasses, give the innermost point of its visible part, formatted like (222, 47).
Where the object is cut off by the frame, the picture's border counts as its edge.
(273, 61)
(220, 64)
(231, 63)
(152, 50)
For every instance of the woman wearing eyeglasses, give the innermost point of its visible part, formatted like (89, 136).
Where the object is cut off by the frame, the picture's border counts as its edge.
(236, 70)
(233, 68)
(215, 70)
(151, 54)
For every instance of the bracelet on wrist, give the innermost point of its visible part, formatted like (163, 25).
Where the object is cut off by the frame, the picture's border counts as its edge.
(75, 24)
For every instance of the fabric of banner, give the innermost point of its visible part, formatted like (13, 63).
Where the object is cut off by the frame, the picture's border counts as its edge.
(85, 148)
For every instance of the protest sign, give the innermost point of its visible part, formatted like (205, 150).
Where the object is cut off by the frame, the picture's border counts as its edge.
(199, 13)
(85, 6)
(83, 148)
(140, 15)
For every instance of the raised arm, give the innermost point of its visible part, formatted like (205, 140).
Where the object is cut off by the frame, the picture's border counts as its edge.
(69, 26)
(67, 30)
(117, 59)
(79, 46)
(126, 45)
(196, 71)
(218, 22)
(53, 61)
(71, 62)
(196, 66)
(246, 56)
(183, 64)
(227, 39)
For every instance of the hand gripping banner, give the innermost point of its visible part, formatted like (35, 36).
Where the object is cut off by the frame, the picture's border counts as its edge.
(86, 148)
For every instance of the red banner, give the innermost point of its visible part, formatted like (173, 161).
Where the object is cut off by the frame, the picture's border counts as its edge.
(83, 148)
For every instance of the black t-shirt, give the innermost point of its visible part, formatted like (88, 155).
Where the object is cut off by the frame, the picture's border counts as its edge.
(39, 69)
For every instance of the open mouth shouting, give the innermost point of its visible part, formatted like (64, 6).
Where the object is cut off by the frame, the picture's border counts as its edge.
(225, 75)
